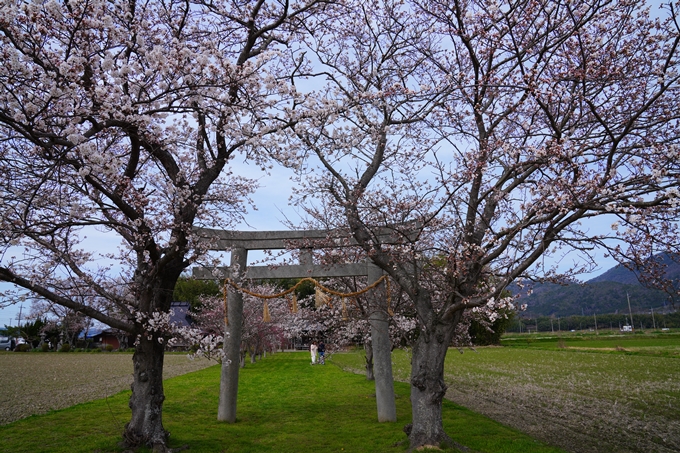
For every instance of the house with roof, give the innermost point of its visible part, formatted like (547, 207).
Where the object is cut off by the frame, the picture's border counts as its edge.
(118, 339)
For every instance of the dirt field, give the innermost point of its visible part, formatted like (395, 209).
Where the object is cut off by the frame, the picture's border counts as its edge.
(583, 403)
(35, 383)
(580, 425)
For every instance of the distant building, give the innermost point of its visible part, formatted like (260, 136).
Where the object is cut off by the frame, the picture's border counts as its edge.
(101, 338)
(118, 339)
(180, 314)
(180, 318)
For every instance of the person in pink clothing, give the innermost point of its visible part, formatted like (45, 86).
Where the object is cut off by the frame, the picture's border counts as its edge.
(312, 349)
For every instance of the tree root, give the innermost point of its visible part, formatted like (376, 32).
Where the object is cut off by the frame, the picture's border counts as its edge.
(447, 442)
(133, 441)
(159, 447)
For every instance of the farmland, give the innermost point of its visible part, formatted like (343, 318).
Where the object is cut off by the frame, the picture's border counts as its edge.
(36, 383)
(581, 393)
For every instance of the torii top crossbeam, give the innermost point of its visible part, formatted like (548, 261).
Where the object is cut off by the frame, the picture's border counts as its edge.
(304, 240)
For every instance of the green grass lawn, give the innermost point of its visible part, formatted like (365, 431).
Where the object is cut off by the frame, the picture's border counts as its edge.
(284, 405)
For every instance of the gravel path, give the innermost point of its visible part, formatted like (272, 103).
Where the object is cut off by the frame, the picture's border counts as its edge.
(36, 383)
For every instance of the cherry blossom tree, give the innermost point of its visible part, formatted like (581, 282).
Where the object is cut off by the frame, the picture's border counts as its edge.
(62, 324)
(505, 130)
(259, 335)
(345, 321)
(120, 118)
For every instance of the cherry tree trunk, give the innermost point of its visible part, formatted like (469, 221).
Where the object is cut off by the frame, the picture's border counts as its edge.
(146, 401)
(427, 386)
(368, 348)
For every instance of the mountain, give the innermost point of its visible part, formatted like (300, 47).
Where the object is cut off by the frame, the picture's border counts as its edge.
(620, 274)
(606, 293)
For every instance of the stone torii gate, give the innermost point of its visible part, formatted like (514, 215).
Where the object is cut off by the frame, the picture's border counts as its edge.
(240, 242)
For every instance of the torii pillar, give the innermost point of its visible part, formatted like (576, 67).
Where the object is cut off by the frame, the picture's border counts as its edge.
(226, 411)
(382, 357)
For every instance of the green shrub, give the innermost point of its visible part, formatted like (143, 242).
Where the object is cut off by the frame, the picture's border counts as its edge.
(65, 347)
(481, 336)
(108, 347)
(22, 348)
(45, 347)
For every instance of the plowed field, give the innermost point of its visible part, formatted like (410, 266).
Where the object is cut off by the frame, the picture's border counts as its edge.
(35, 383)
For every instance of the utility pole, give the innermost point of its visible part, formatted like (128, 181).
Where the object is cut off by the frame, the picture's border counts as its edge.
(653, 321)
(632, 325)
(595, 316)
(21, 307)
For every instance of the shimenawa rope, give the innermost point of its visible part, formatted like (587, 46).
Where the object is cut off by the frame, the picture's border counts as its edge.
(316, 283)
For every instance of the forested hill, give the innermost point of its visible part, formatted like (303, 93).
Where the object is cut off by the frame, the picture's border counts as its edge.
(620, 274)
(607, 293)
